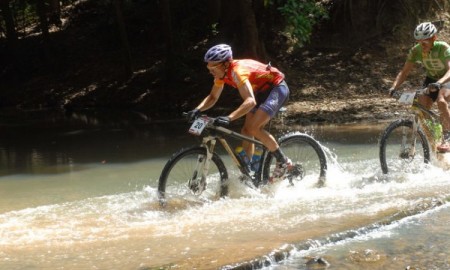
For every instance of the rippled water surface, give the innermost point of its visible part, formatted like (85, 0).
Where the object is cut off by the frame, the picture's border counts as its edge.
(79, 192)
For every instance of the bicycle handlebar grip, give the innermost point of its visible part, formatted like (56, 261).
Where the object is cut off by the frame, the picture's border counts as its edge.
(192, 115)
(396, 94)
(222, 121)
(422, 91)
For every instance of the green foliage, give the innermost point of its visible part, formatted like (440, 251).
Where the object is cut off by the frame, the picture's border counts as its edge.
(24, 14)
(301, 16)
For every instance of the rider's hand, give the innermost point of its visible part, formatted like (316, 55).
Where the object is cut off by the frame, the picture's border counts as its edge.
(222, 121)
(192, 115)
(433, 87)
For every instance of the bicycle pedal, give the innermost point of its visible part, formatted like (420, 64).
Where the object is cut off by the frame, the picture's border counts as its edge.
(249, 183)
(243, 177)
(296, 171)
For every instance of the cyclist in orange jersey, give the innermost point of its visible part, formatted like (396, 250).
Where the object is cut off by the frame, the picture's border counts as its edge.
(263, 91)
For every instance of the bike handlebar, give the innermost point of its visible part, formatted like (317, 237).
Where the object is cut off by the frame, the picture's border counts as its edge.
(397, 94)
(212, 120)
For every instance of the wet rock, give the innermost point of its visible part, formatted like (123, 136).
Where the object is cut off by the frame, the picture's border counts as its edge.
(316, 263)
(367, 255)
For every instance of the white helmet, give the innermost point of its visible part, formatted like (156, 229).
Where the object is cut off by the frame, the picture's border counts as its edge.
(219, 53)
(425, 30)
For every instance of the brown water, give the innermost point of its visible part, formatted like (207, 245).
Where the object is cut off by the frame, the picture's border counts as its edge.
(81, 194)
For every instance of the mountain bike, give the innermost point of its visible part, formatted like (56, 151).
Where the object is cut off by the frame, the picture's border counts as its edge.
(190, 171)
(409, 142)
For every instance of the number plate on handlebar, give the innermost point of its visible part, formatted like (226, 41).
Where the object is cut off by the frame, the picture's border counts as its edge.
(198, 126)
(407, 98)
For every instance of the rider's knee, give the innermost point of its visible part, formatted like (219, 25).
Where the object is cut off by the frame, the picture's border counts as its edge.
(252, 131)
(245, 130)
(425, 101)
(249, 130)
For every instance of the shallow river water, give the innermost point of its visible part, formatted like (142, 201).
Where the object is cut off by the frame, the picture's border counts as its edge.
(79, 192)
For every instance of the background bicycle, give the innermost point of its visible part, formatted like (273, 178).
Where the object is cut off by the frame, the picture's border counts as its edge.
(409, 142)
(191, 172)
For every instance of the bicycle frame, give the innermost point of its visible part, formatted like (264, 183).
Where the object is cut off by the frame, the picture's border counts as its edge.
(209, 142)
(423, 114)
(419, 115)
(194, 165)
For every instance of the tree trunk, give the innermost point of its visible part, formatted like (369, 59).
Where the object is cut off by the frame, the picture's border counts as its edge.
(55, 14)
(355, 21)
(128, 66)
(214, 7)
(229, 24)
(238, 27)
(249, 28)
(166, 19)
(43, 22)
(11, 33)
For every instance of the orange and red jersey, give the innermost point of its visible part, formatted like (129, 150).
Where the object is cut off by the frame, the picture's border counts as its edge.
(261, 76)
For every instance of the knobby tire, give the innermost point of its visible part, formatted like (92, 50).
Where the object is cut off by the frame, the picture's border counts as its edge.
(180, 168)
(301, 149)
(390, 147)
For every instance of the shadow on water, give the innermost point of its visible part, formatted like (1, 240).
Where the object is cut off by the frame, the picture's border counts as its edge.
(52, 142)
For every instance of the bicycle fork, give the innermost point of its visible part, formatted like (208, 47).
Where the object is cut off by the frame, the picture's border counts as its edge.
(198, 184)
(409, 150)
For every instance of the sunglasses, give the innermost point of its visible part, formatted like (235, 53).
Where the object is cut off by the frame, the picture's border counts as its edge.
(425, 41)
(212, 67)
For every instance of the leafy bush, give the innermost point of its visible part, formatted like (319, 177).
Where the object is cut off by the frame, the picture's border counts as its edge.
(301, 16)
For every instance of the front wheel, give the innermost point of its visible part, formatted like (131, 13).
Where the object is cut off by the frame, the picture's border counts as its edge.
(306, 154)
(401, 150)
(184, 175)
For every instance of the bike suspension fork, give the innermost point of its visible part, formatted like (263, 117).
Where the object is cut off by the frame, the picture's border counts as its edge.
(415, 127)
(198, 184)
(209, 144)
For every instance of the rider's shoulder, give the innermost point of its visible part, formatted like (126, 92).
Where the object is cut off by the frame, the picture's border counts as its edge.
(441, 43)
(416, 50)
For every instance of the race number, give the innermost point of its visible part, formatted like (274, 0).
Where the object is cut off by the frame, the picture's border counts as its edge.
(198, 126)
(407, 98)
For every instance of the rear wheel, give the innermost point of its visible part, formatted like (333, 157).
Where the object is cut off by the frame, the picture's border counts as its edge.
(182, 176)
(306, 154)
(397, 150)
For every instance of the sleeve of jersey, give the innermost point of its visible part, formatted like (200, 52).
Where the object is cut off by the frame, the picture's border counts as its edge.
(218, 82)
(412, 55)
(239, 77)
(447, 53)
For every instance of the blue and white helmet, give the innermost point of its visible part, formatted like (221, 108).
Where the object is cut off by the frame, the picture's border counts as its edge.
(425, 30)
(219, 53)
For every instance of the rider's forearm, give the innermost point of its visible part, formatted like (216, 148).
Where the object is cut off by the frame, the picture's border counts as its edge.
(211, 99)
(402, 75)
(445, 78)
(207, 103)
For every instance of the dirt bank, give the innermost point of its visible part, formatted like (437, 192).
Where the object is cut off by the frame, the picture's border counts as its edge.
(354, 109)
